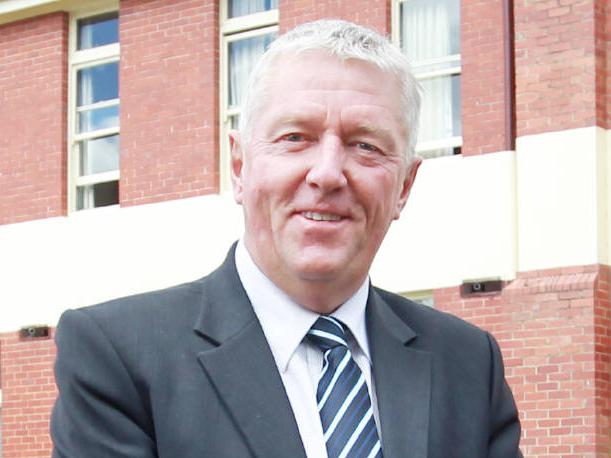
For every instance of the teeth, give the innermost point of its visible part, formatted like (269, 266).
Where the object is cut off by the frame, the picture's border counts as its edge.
(322, 216)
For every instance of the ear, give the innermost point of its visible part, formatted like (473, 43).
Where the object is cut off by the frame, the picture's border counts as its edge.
(237, 162)
(408, 182)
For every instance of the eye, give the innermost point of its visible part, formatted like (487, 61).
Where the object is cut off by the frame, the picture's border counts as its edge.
(367, 147)
(294, 137)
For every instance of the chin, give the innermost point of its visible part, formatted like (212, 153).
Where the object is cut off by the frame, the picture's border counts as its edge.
(318, 271)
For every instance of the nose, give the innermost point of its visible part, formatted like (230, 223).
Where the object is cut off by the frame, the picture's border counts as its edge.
(328, 170)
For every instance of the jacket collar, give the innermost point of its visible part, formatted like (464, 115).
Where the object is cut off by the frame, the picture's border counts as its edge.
(242, 369)
(403, 381)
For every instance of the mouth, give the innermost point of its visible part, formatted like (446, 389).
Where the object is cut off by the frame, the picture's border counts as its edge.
(316, 216)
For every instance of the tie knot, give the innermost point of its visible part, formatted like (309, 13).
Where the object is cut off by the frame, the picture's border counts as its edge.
(327, 332)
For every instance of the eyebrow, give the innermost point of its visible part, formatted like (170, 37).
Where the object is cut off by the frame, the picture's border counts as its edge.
(369, 129)
(296, 118)
(308, 116)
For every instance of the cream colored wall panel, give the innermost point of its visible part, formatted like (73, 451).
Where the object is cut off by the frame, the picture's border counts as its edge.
(557, 200)
(459, 224)
(54, 264)
(16, 10)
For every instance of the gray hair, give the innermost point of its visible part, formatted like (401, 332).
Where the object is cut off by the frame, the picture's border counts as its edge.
(344, 40)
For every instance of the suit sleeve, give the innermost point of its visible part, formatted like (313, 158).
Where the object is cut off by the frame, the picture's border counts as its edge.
(99, 412)
(505, 423)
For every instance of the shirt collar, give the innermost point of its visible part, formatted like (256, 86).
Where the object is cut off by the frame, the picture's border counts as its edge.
(285, 323)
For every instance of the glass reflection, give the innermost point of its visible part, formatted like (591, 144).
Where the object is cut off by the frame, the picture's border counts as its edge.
(237, 8)
(95, 84)
(100, 118)
(440, 113)
(98, 31)
(430, 29)
(99, 155)
(243, 55)
(97, 195)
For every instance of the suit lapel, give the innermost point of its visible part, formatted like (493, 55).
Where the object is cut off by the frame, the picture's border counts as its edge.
(403, 381)
(242, 369)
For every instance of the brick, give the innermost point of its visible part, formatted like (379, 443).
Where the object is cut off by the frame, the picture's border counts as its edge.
(483, 103)
(559, 370)
(28, 396)
(373, 14)
(33, 74)
(561, 50)
(169, 100)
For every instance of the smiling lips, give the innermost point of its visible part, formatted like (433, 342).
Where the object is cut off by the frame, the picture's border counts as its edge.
(316, 216)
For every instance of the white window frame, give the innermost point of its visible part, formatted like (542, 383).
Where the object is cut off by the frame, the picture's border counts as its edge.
(455, 68)
(78, 60)
(234, 29)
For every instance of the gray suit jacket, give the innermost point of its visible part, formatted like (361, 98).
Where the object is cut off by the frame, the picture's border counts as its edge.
(186, 372)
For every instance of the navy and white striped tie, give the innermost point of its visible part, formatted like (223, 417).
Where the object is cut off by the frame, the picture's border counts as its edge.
(343, 400)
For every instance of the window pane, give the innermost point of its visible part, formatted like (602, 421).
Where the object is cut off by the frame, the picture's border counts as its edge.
(234, 121)
(237, 8)
(100, 118)
(98, 31)
(98, 83)
(243, 55)
(99, 155)
(430, 29)
(440, 115)
(433, 153)
(456, 106)
(97, 195)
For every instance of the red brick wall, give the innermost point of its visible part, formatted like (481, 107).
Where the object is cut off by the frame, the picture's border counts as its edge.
(28, 394)
(553, 329)
(482, 82)
(33, 88)
(603, 63)
(169, 100)
(373, 13)
(602, 360)
(555, 65)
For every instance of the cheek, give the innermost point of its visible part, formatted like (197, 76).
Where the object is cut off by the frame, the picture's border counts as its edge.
(378, 193)
(262, 203)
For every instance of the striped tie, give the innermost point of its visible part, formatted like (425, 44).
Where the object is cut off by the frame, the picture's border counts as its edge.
(343, 400)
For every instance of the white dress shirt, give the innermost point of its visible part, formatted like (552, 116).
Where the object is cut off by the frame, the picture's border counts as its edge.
(285, 323)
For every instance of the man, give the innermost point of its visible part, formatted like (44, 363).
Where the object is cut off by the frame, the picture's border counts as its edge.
(286, 350)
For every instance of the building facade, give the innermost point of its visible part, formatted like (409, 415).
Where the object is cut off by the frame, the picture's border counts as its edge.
(114, 180)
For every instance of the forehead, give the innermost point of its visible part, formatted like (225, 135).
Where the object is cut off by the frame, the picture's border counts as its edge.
(311, 81)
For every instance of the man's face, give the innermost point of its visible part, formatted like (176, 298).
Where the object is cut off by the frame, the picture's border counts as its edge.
(323, 174)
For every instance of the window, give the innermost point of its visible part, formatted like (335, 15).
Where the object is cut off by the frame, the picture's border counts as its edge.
(424, 297)
(429, 33)
(247, 29)
(94, 111)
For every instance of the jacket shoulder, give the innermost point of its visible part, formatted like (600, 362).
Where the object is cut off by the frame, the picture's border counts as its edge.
(432, 325)
(177, 301)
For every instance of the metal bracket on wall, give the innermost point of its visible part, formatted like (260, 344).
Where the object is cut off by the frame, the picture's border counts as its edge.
(34, 332)
(476, 287)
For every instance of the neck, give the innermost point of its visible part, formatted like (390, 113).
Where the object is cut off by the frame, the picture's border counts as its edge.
(320, 297)
(320, 294)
